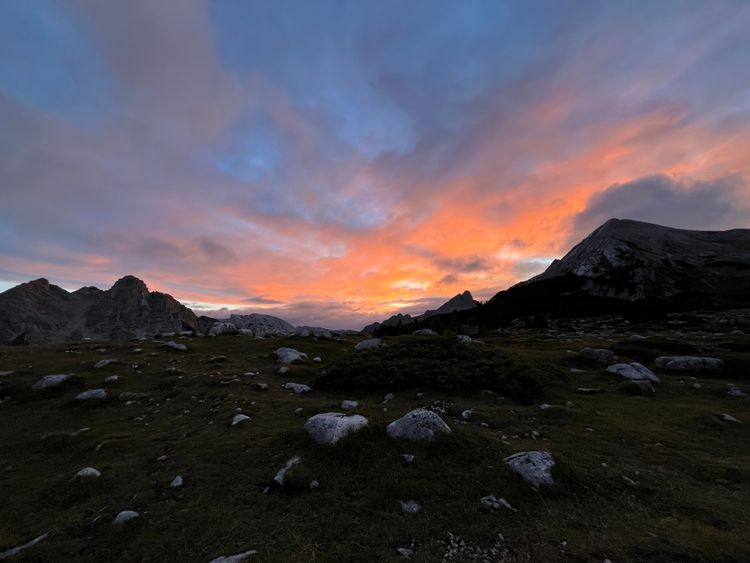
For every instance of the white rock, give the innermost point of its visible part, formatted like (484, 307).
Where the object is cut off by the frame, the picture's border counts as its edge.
(729, 418)
(235, 558)
(369, 344)
(125, 516)
(387, 398)
(317, 359)
(600, 355)
(92, 394)
(410, 507)
(50, 381)
(408, 458)
(348, 405)
(298, 388)
(19, 548)
(111, 379)
(687, 363)
(314, 484)
(236, 419)
(283, 370)
(176, 482)
(88, 472)
(424, 332)
(222, 329)
(328, 428)
(289, 355)
(464, 339)
(175, 346)
(104, 363)
(634, 371)
(466, 415)
(535, 467)
(5, 373)
(298, 410)
(281, 473)
(492, 502)
(261, 386)
(419, 424)
(405, 552)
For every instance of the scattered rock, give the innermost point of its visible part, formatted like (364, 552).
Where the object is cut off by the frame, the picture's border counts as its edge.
(111, 379)
(289, 355)
(317, 359)
(5, 373)
(424, 332)
(88, 472)
(219, 329)
(92, 394)
(419, 424)
(687, 363)
(260, 386)
(633, 371)
(19, 548)
(408, 458)
(491, 502)
(736, 392)
(104, 363)
(598, 355)
(328, 428)
(175, 346)
(314, 484)
(124, 516)
(464, 339)
(387, 398)
(282, 370)
(410, 507)
(235, 558)
(349, 405)
(236, 419)
(298, 410)
(217, 359)
(298, 388)
(535, 467)
(369, 344)
(50, 381)
(281, 473)
(177, 482)
(405, 552)
(466, 415)
(728, 418)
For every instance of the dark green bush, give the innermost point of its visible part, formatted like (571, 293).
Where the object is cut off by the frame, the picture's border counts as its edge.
(439, 363)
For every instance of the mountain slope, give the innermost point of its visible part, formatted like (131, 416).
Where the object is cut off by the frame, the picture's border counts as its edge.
(38, 312)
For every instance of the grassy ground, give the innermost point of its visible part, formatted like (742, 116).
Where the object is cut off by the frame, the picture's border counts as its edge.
(655, 478)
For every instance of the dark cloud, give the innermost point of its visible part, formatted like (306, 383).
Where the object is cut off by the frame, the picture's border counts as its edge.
(260, 300)
(723, 203)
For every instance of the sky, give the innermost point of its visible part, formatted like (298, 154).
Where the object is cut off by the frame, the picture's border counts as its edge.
(334, 163)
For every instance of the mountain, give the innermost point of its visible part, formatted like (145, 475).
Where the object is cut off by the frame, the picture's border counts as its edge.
(459, 302)
(37, 312)
(631, 267)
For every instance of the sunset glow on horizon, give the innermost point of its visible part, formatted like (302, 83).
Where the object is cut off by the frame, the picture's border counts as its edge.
(335, 163)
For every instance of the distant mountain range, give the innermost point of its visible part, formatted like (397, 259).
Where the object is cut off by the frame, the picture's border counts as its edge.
(623, 266)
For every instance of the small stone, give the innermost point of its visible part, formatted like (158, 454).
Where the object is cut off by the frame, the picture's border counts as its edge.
(238, 558)
(408, 458)
(125, 516)
(282, 370)
(729, 418)
(261, 386)
(236, 419)
(97, 394)
(314, 484)
(349, 405)
(88, 472)
(535, 467)
(175, 346)
(104, 363)
(589, 390)
(405, 552)
(466, 415)
(599, 355)
(493, 503)
(387, 398)
(298, 388)
(289, 355)
(317, 359)
(50, 381)
(176, 482)
(279, 478)
(111, 379)
(736, 392)
(162, 458)
(410, 507)
(298, 410)
(5, 373)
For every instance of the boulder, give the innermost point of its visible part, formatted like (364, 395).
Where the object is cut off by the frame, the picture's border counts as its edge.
(220, 329)
(88, 472)
(633, 371)
(535, 467)
(289, 355)
(96, 394)
(419, 424)
(50, 381)
(124, 516)
(598, 355)
(424, 332)
(328, 428)
(687, 363)
(369, 344)
(298, 388)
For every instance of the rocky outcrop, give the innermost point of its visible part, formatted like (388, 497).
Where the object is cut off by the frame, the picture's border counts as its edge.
(38, 312)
